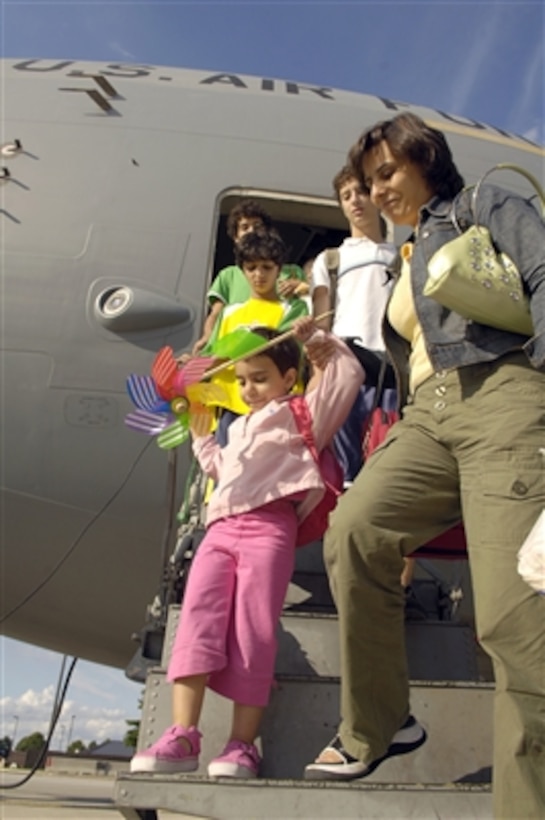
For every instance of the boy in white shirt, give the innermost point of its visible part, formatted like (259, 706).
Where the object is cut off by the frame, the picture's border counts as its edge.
(359, 298)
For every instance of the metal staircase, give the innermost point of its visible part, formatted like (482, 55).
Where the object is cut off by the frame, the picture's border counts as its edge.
(451, 695)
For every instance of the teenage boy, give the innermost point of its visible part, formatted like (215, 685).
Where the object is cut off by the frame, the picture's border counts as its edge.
(260, 255)
(359, 293)
(230, 285)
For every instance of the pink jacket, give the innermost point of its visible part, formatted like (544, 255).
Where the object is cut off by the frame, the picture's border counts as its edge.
(266, 457)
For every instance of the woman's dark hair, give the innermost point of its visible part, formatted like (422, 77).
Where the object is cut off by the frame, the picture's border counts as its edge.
(247, 209)
(285, 354)
(409, 137)
(261, 245)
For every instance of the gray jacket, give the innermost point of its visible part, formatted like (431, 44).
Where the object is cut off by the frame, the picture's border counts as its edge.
(452, 341)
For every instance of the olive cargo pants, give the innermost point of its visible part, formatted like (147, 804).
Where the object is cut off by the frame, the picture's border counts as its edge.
(468, 444)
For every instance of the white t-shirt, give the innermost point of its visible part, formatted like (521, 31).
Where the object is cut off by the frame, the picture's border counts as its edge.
(362, 288)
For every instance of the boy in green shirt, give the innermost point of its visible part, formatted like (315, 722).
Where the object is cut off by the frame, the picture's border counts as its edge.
(231, 285)
(260, 255)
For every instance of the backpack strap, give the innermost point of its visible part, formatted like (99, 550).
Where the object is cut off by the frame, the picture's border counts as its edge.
(332, 261)
(303, 420)
(377, 398)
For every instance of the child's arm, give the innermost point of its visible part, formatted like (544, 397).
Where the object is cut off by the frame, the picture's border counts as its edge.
(216, 329)
(298, 309)
(318, 347)
(205, 447)
(208, 327)
(333, 394)
(320, 291)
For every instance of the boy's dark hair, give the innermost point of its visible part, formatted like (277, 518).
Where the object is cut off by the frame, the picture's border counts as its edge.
(246, 209)
(341, 178)
(285, 354)
(261, 245)
(409, 137)
(345, 175)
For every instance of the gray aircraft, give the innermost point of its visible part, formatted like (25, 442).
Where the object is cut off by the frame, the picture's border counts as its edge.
(115, 184)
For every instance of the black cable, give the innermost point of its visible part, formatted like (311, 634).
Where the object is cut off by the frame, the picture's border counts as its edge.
(75, 543)
(55, 714)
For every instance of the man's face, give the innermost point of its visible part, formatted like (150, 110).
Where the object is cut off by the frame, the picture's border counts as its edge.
(357, 207)
(247, 224)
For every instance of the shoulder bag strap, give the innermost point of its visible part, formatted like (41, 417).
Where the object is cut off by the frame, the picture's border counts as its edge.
(501, 166)
(507, 166)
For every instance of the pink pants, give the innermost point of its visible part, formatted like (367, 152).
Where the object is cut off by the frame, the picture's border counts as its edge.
(233, 602)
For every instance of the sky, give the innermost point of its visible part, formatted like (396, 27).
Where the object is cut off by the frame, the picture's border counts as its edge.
(99, 699)
(480, 59)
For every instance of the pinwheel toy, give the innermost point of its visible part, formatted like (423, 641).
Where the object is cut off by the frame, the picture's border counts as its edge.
(164, 400)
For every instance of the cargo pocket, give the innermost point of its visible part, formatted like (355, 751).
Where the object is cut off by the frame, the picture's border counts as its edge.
(513, 495)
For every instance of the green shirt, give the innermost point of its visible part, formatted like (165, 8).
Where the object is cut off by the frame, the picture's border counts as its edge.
(231, 286)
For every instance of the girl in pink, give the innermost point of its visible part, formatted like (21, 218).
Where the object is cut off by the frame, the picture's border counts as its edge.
(267, 481)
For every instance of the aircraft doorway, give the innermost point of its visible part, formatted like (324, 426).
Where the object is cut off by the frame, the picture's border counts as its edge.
(307, 224)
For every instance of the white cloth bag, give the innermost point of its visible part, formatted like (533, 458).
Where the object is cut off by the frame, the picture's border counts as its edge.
(531, 556)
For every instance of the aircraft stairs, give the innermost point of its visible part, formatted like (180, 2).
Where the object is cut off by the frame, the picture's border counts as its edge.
(451, 695)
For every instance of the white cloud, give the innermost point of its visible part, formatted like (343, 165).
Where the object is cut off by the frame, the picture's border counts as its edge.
(476, 58)
(524, 105)
(31, 712)
(533, 134)
(118, 49)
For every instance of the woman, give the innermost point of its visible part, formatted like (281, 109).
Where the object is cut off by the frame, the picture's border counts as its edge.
(467, 446)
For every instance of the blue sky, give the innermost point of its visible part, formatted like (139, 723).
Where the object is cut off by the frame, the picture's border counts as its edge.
(479, 59)
(482, 59)
(99, 698)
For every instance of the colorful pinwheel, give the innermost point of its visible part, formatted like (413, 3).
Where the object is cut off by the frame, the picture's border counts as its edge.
(164, 400)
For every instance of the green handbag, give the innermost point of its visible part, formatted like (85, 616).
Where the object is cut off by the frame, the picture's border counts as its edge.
(468, 275)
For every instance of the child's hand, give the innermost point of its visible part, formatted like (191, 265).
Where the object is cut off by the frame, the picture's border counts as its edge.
(200, 420)
(320, 350)
(303, 328)
(184, 358)
(287, 287)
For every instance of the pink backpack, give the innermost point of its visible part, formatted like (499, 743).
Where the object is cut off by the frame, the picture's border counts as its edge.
(313, 526)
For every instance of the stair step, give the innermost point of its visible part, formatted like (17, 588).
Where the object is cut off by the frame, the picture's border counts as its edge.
(308, 645)
(257, 799)
(303, 715)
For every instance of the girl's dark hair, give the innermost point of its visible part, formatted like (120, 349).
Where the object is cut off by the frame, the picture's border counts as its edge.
(261, 245)
(409, 137)
(285, 354)
(247, 209)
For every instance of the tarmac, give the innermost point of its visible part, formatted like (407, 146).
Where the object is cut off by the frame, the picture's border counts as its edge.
(49, 796)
